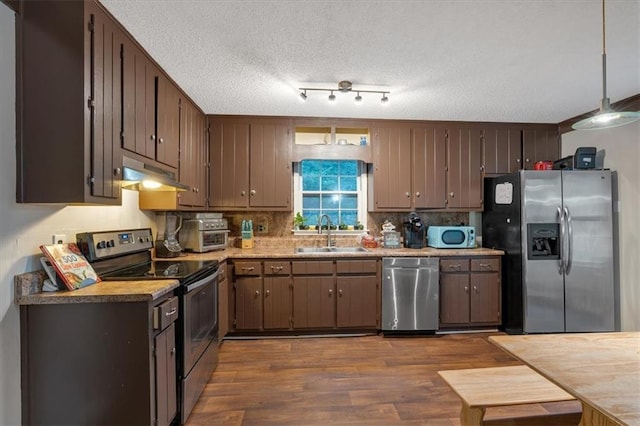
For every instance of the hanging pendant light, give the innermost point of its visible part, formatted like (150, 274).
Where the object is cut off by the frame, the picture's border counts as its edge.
(606, 117)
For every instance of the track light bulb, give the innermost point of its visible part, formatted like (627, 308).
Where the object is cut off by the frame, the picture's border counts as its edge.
(303, 95)
(384, 98)
(358, 98)
(332, 97)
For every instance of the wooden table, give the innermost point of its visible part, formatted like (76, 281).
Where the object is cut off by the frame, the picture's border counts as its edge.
(602, 370)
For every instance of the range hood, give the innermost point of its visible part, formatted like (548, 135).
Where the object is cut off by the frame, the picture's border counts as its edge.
(140, 176)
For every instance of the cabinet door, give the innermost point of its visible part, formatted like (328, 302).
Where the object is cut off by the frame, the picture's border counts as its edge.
(485, 298)
(193, 160)
(106, 110)
(314, 304)
(248, 315)
(540, 143)
(356, 302)
(464, 169)
(223, 304)
(392, 168)
(428, 167)
(139, 97)
(270, 174)
(277, 302)
(454, 299)
(168, 122)
(229, 158)
(502, 149)
(165, 369)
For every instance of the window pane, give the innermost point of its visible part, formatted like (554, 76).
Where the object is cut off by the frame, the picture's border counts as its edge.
(349, 217)
(330, 168)
(330, 201)
(349, 168)
(349, 202)
(310, 167)
(329, 183)
(310, 202)
(310, 183)
(311, 216)
(348, 184)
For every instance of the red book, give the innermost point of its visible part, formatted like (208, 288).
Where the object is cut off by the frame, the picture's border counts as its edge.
(70, 264)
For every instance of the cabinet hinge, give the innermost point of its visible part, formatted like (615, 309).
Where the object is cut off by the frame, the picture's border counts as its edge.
(122, 137)
(235, 323)
(90, 180)
(90, 25)
(91, 103)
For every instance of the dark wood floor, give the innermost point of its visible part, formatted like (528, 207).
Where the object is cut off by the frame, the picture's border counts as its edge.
(369, 380)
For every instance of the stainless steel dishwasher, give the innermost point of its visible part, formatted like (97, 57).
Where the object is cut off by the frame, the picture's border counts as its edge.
(410, 293)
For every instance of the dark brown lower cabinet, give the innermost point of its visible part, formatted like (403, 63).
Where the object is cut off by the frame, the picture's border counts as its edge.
(470, 292)
(357, 302)
(98, 363)
(248, 297)
(277, 302)
(314, 303)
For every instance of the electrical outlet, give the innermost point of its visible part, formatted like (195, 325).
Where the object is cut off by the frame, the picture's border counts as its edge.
(59, 238)
(262, 228)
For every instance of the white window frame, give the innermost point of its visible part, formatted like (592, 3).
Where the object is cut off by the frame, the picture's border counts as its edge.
(362, 197)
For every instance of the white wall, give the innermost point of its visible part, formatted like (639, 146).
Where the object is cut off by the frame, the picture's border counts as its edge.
(24, 227)
(622, 147)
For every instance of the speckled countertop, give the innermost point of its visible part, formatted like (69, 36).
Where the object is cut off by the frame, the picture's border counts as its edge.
(28, 286)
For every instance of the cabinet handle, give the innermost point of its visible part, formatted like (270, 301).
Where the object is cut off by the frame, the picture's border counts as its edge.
(276, 268)
(171, 312)
(243, 193)
(257, 292)
(517, 160)
(173, 350)
(407, 194)
(248, 268)
(455, 267)
(417, 195)
(466, 289)
(116, 171)
(152, 137)
(485, 265)
(267, 293)
(330, 292)
(340, 292)
(160, 140)
(475, 289)
(252, 192)
(526, 160)
(452, 195)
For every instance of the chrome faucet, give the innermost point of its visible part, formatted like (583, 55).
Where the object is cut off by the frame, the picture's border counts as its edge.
(329, 244)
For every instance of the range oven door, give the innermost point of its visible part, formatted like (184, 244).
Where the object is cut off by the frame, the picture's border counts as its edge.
(199, 339)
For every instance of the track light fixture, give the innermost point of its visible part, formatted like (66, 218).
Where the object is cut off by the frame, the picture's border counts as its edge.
(344, 86)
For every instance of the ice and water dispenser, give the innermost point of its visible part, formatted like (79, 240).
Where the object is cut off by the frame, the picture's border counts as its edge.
(543, 241)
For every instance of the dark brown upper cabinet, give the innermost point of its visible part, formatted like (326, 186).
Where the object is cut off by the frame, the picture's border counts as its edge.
(502, 149)
(409, 167)
(540, 143)
(193, 155)
(69, 103)
(464, 167)
(250, 163)
(151, 125)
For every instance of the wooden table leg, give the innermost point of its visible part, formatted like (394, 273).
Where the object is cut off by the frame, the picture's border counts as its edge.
(471, 416)
(593, 417)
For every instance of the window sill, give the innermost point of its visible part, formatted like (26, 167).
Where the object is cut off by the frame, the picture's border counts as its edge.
(338, 232)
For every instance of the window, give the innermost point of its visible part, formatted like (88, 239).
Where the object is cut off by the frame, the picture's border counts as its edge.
(331, 187)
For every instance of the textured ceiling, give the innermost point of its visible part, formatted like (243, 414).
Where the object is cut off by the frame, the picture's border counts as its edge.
(485, 60)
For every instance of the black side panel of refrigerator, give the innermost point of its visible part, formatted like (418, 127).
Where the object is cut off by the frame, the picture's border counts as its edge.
(501, 229)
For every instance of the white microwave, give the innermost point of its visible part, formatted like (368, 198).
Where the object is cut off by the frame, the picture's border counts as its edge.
(451, 237)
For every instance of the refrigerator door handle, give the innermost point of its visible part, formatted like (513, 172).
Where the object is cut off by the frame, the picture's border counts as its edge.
(568, 261)
(561, 261)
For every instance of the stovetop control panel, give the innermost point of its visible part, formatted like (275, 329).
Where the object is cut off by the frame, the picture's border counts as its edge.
(105, 244)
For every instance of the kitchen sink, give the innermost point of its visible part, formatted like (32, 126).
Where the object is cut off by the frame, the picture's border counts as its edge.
(330, 249)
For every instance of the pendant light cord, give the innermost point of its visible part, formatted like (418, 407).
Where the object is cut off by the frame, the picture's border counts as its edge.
(604, 59)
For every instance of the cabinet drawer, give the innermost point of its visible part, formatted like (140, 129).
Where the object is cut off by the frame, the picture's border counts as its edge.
(277, 268)
(247, 268)
(165, 313)
(454, 265)
(320, 267)
(480, 265)
(356, 266)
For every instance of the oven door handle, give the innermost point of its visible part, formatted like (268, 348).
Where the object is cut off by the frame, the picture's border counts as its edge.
(206, 280)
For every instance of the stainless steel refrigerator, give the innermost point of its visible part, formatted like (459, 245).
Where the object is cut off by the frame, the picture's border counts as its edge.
(557, 231)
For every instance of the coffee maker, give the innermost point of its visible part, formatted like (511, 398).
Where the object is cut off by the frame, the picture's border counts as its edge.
(414, 232)
(167, 244)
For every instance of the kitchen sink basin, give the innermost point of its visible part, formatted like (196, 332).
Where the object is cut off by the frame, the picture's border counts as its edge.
(330, 249)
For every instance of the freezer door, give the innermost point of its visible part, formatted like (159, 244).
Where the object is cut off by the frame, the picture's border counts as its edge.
(589, 288)
(542, 285)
